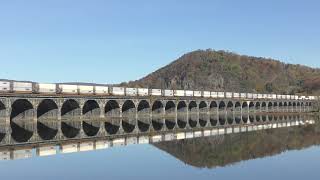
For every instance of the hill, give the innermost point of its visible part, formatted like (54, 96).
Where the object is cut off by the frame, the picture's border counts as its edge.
(227, 71)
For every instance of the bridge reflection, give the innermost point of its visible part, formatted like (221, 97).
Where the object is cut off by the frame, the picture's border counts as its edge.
(202, 147)
(51, 129)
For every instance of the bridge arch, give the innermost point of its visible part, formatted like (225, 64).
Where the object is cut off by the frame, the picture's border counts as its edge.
(193, 114)
(182, 114)
(91, 113)
(251, 118)
(143, 116)
(213, 107)
(230, 106)
(270, 107)
(251, 107)
(170, 115)
(285, 106)
(222, 113)
(203, 114)
(281, 106)
(245, 107)
(264, 107)
(21, 120)
(70, 115)
(258, 118)
(128, 116)
(112, 113)
(245, 118)
(3, 115)
(298, 107)
(290, 106)
(238, 119)
(258, 106)
(157, 115)
(275, 107)
(222, 106)
(47, 115)
(213, 110)
(294, 106)
(237, 107)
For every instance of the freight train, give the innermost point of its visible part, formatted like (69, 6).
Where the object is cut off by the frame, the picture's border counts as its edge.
(46, 88)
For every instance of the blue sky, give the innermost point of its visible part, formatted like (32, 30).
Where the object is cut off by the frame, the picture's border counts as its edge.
(113, 41)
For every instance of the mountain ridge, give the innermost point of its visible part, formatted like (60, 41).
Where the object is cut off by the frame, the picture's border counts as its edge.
(228, 71)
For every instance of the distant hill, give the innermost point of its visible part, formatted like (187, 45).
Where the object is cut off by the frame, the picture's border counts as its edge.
(226, 71)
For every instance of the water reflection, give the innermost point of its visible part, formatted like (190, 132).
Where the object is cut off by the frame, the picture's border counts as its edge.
(203, 147)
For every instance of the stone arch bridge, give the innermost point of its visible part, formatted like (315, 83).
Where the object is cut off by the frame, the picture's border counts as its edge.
(25, 118)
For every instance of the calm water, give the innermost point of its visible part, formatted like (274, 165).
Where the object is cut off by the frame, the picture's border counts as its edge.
(282, 153)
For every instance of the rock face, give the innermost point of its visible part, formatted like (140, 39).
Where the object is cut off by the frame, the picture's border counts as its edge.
(226, 71)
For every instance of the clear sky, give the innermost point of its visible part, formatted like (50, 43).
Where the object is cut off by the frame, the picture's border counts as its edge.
(113, 41)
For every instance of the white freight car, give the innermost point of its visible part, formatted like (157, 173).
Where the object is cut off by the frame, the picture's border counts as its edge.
(4, 86)
(168, 92)
(143, 92)
(236, 95)
(206, 94)
(118, 91)
(189, 93)
(155, 92)
(279, 96)
(46, 88)
(214, 94)
(221, 95)
(85, 89)
(255, 96)
(197, 93)
(179, 93)
(22, 87)
(292, 97)
(99, 90)
(131, 91)
(229, 94)
(68, 89)
(274, 96)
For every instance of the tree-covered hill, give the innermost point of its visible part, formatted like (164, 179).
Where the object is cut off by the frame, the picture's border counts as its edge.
(226, 71)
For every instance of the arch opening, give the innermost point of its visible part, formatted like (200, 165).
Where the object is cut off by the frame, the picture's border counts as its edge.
(245, 119)
(170, 115)
(143, 116)
(193, 114)
(237, 107)
(213, 107)
(21, 120)
(128, 114)
(229, 107)
(237, 119)
(182, 114)
(91, 116)
(70, 115)
(47, 115)
(2, 121)
(270, 108)
(112, 114)
(258, 106)
(251, 107)
(203, 114)
(157, 115)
